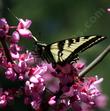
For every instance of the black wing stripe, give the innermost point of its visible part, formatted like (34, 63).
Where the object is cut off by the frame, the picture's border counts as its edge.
(84, 46)
(89, 43)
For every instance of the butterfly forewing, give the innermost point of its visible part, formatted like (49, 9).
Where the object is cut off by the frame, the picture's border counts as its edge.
(67, 50)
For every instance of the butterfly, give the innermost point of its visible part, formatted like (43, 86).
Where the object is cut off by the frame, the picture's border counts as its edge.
(65, 51)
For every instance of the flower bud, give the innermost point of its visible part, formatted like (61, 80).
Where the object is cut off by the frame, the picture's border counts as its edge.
(15, 37)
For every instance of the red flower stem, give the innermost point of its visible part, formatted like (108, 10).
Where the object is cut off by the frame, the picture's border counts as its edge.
(6, 50)
(44, 103)
(13, 27)
(95, 62)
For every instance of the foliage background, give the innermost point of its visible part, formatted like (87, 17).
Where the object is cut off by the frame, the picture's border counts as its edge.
(54, 20)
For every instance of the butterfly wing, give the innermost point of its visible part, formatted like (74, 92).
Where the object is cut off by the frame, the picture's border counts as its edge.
(68, 50)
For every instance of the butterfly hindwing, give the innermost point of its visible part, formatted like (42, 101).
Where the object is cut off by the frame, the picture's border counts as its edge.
(68, 50)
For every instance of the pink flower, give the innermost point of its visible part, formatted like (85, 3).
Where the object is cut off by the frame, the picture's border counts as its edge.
(28, 58)
(79, 65)
(101, 101)
(10, 74)
(14, 50)
(38, 70)
(35, 86)
(15, 37)
(23, 26)
(52, 100)
(86, 107)
(4, 27)
(25, 33)
(108, 9)
(36, 105)
(3, 100)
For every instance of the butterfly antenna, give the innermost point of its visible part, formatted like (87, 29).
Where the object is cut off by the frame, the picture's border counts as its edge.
(34, 38)
(39, 42)
(12, 13)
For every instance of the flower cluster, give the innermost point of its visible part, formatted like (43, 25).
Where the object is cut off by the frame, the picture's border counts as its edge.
(42, 86)
(19, 66)
(76, 92)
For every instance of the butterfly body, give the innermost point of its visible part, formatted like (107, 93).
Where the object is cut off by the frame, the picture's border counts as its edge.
(66, 51)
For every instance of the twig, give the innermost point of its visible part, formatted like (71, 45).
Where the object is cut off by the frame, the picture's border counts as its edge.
(95, 62)
(6, 50)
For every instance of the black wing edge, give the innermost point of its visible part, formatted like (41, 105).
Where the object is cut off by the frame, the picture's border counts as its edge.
(84, 47)
(92, 42)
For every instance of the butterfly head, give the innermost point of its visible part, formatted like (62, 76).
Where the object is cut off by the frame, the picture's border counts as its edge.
(39, 47)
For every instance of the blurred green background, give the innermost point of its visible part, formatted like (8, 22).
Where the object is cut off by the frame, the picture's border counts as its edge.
(54, 20)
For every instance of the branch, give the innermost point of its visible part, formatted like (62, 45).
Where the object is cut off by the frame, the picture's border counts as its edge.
(6, 50)
(95, 62)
